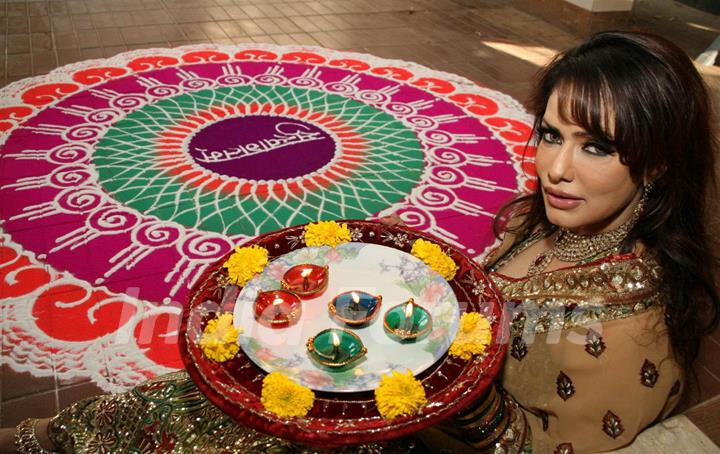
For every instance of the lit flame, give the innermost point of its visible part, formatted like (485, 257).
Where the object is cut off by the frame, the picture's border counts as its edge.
(306, 272)
(278, 301)
(335, 339)
(355, 297)
(409, 309)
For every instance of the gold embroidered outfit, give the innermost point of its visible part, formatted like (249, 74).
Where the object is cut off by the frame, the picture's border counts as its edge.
(589, 359)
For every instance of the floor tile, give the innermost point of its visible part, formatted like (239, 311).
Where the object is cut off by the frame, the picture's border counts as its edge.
(40, 24)
(19, 24)
(43, 62)
(110, 37)
(19, 384)
(62, 24)
(232, 29)
(39, 405)
(18, 44)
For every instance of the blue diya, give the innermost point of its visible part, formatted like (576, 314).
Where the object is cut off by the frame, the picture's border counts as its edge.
(407, 321)
(335, 348)
(355, 308)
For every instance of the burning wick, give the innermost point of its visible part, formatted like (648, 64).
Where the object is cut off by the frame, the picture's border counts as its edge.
(276, 303)
(305, 273)
(336, 345)
(356, 301)
(409, 309)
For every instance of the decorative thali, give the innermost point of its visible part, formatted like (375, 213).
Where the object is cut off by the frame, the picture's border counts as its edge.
(344, 411)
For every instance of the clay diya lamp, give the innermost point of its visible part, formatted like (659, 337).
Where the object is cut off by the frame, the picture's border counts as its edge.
(355, 308)
(306, 280)
(335, 348)
(277, 308)
(407, 321)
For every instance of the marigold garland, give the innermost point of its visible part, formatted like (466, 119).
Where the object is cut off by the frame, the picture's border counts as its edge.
(328, 233)
(284, 397)
(473, 337)
(245, 263)
(219, 340)
(399, 394)
(434, 257)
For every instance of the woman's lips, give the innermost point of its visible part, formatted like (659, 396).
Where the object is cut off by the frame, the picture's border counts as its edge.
(561, 201)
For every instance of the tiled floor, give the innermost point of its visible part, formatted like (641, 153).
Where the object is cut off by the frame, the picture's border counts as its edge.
(497, 43)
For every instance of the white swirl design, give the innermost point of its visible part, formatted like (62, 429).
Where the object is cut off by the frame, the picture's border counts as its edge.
(416, 217)
(447, 176)
(84, 132)
(339, 87)
(71, 176)
(232, 79)
(437, 137)
(207, 247)
(401, 108)
(113, 219)
(197, 84)
(162, 91)
(447, 156)
(80, 200)
(104, 115)
(373, 97)
(128, 102)
(155, 234)
(69, 152)
(270, 79)
(421, 121)
(305, 82)
(432, 197)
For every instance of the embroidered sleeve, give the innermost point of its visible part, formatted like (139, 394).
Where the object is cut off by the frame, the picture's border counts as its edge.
(607, 382)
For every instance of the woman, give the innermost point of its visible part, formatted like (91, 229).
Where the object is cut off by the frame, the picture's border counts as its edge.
(606, 268)
(606, 271)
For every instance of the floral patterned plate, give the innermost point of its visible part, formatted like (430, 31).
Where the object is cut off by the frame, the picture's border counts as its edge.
(376, 269)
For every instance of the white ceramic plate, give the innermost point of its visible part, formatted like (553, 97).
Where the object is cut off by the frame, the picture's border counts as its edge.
(372, 268)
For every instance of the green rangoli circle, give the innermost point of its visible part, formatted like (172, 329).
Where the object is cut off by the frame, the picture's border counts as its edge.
(143, 162)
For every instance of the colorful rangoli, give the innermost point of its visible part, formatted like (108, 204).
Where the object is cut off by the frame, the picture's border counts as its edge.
(122, 180)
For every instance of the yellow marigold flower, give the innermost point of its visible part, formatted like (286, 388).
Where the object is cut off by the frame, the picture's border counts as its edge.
(219, 340)
(473, 337)
(328, 233)
(434, 257)
(284, 397)
(399, 394)
(245, 263)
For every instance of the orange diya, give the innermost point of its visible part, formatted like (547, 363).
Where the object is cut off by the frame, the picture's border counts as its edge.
(277, 308)
(306, 280)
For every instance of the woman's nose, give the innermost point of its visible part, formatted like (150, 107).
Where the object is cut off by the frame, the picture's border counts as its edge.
(561, 167)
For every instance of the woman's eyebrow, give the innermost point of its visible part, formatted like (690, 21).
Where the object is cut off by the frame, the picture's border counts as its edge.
(544, 124)
(582, 133)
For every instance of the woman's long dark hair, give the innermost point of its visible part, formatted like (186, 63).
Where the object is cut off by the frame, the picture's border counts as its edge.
(649, 89)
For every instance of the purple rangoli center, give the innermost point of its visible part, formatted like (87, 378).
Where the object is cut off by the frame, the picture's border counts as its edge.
(262, 147)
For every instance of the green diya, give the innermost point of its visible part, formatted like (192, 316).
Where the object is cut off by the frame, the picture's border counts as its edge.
(407, 321)
(335, 348)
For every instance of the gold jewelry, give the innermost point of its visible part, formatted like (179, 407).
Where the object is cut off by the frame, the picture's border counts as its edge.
(572, 247)
(26, 441)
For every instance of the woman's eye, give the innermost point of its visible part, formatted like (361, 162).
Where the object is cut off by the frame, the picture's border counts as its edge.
(551, 137)
(597, 149)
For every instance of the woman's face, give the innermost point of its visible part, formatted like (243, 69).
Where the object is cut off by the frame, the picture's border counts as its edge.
(584, 185)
